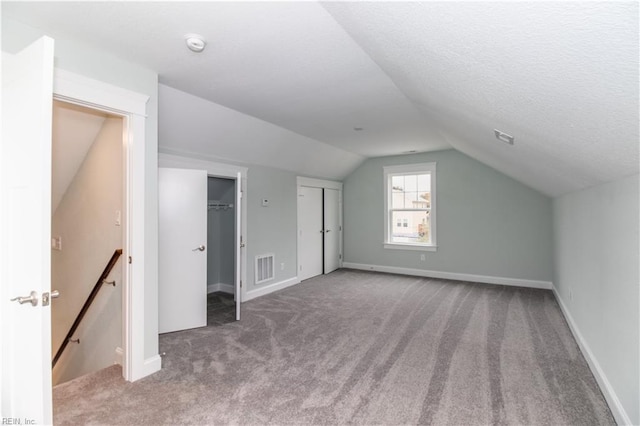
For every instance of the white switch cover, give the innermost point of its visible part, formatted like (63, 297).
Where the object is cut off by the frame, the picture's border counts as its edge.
(118, 217)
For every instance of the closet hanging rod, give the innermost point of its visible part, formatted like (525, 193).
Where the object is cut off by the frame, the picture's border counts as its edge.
(219, 205)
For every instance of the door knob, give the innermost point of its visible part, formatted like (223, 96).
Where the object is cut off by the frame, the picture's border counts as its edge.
(328, 230)
(199, 248)
(31, 298)
(55, 294)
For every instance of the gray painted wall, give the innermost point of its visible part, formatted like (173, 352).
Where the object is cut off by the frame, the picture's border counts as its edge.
(487, 223)
(80, 58)
(271, 229)
(597, 279)
(85, 219)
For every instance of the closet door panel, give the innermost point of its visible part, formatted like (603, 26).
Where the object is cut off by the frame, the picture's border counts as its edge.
(311, 231)
(331, 230)
(182, 278)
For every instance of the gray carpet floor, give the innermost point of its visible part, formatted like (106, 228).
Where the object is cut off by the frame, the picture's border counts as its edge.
(357, 347)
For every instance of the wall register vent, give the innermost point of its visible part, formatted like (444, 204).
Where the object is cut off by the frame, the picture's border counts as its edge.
(264, 267)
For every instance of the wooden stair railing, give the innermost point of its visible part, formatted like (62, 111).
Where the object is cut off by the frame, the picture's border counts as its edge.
(85, 307)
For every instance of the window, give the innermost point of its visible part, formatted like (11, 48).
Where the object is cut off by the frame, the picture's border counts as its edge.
(410, 206)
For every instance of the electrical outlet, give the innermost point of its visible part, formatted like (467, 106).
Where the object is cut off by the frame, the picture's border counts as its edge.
(423, 257)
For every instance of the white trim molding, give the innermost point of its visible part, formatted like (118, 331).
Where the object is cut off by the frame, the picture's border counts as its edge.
(484, 279)
(132, 106)
(618, 411)
(263, 291)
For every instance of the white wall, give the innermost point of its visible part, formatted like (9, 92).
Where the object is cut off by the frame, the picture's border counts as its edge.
(85, 220)
(598, 285)
(88, 61)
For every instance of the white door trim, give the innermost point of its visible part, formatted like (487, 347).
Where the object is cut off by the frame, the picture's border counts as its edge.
(318, 183)
(77, 89)
(229, 171)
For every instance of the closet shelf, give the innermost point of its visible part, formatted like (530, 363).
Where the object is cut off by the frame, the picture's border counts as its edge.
(217, 205)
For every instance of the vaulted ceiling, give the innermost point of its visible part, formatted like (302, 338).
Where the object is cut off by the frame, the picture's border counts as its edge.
(561, 77)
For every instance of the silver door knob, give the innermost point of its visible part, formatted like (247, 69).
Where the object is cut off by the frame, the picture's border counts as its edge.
(328, 230)
(199, 248)
(55, 294)
(31, 298)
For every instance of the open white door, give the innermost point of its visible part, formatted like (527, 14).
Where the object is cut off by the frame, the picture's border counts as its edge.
(239, 244)
(182, 272)
(25, 224)
(331, 230)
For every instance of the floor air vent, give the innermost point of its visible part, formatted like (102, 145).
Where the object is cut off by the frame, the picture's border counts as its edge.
(264, 268)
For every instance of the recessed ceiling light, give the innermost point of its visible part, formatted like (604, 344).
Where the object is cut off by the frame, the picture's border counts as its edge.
(358, 129)
(503, 137)
(195, 43)
(413, 151)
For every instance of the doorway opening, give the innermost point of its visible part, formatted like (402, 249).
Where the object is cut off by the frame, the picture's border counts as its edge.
(87, 228)
(221, 226)
(201, 221)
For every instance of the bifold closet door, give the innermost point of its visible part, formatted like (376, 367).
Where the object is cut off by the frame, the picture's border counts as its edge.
(311, 231)
(331, 230)
(182, 271)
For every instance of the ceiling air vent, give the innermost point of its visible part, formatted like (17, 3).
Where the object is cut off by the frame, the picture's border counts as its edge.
(503, 137)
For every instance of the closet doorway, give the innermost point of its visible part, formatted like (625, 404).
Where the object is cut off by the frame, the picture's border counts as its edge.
(202, 217)
(319, 227)
(221, 225)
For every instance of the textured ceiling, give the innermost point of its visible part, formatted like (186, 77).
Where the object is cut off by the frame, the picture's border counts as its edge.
(562, 77)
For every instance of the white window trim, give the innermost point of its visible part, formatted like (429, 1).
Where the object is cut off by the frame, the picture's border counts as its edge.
(409, 169)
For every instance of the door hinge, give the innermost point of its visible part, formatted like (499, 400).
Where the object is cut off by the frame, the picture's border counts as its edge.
(340, 256)
(240, 283)
(340, 227)
(130, 259)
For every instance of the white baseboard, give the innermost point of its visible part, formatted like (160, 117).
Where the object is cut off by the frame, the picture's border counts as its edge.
(225, 288)
(119, 356)
(262, 291)
(547, 285)
(610, 395)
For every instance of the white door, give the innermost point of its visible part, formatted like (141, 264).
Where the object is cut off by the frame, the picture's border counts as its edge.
(239, 244)
(331, 230)
(310, 229)
(182, 271)
(25, 224)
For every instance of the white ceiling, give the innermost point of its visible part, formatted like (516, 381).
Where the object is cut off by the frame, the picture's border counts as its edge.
(74, 129)
(562, 77)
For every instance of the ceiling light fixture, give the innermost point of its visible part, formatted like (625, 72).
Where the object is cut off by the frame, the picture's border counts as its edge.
(195, 42)
(358, 129)
(503, 137)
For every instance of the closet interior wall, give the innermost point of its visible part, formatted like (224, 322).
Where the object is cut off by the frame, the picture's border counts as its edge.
(221, 235)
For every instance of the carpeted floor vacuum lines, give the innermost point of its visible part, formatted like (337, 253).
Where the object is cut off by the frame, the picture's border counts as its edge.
(358, 347)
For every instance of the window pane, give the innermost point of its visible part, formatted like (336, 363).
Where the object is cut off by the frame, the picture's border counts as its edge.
(415, 227)
(424, 183)
(411, 183)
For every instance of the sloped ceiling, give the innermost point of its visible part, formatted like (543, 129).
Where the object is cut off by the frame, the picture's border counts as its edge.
(561, 77)
(74, 129)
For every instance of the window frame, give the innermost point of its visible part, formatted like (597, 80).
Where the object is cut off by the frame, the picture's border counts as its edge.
(404, 170)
